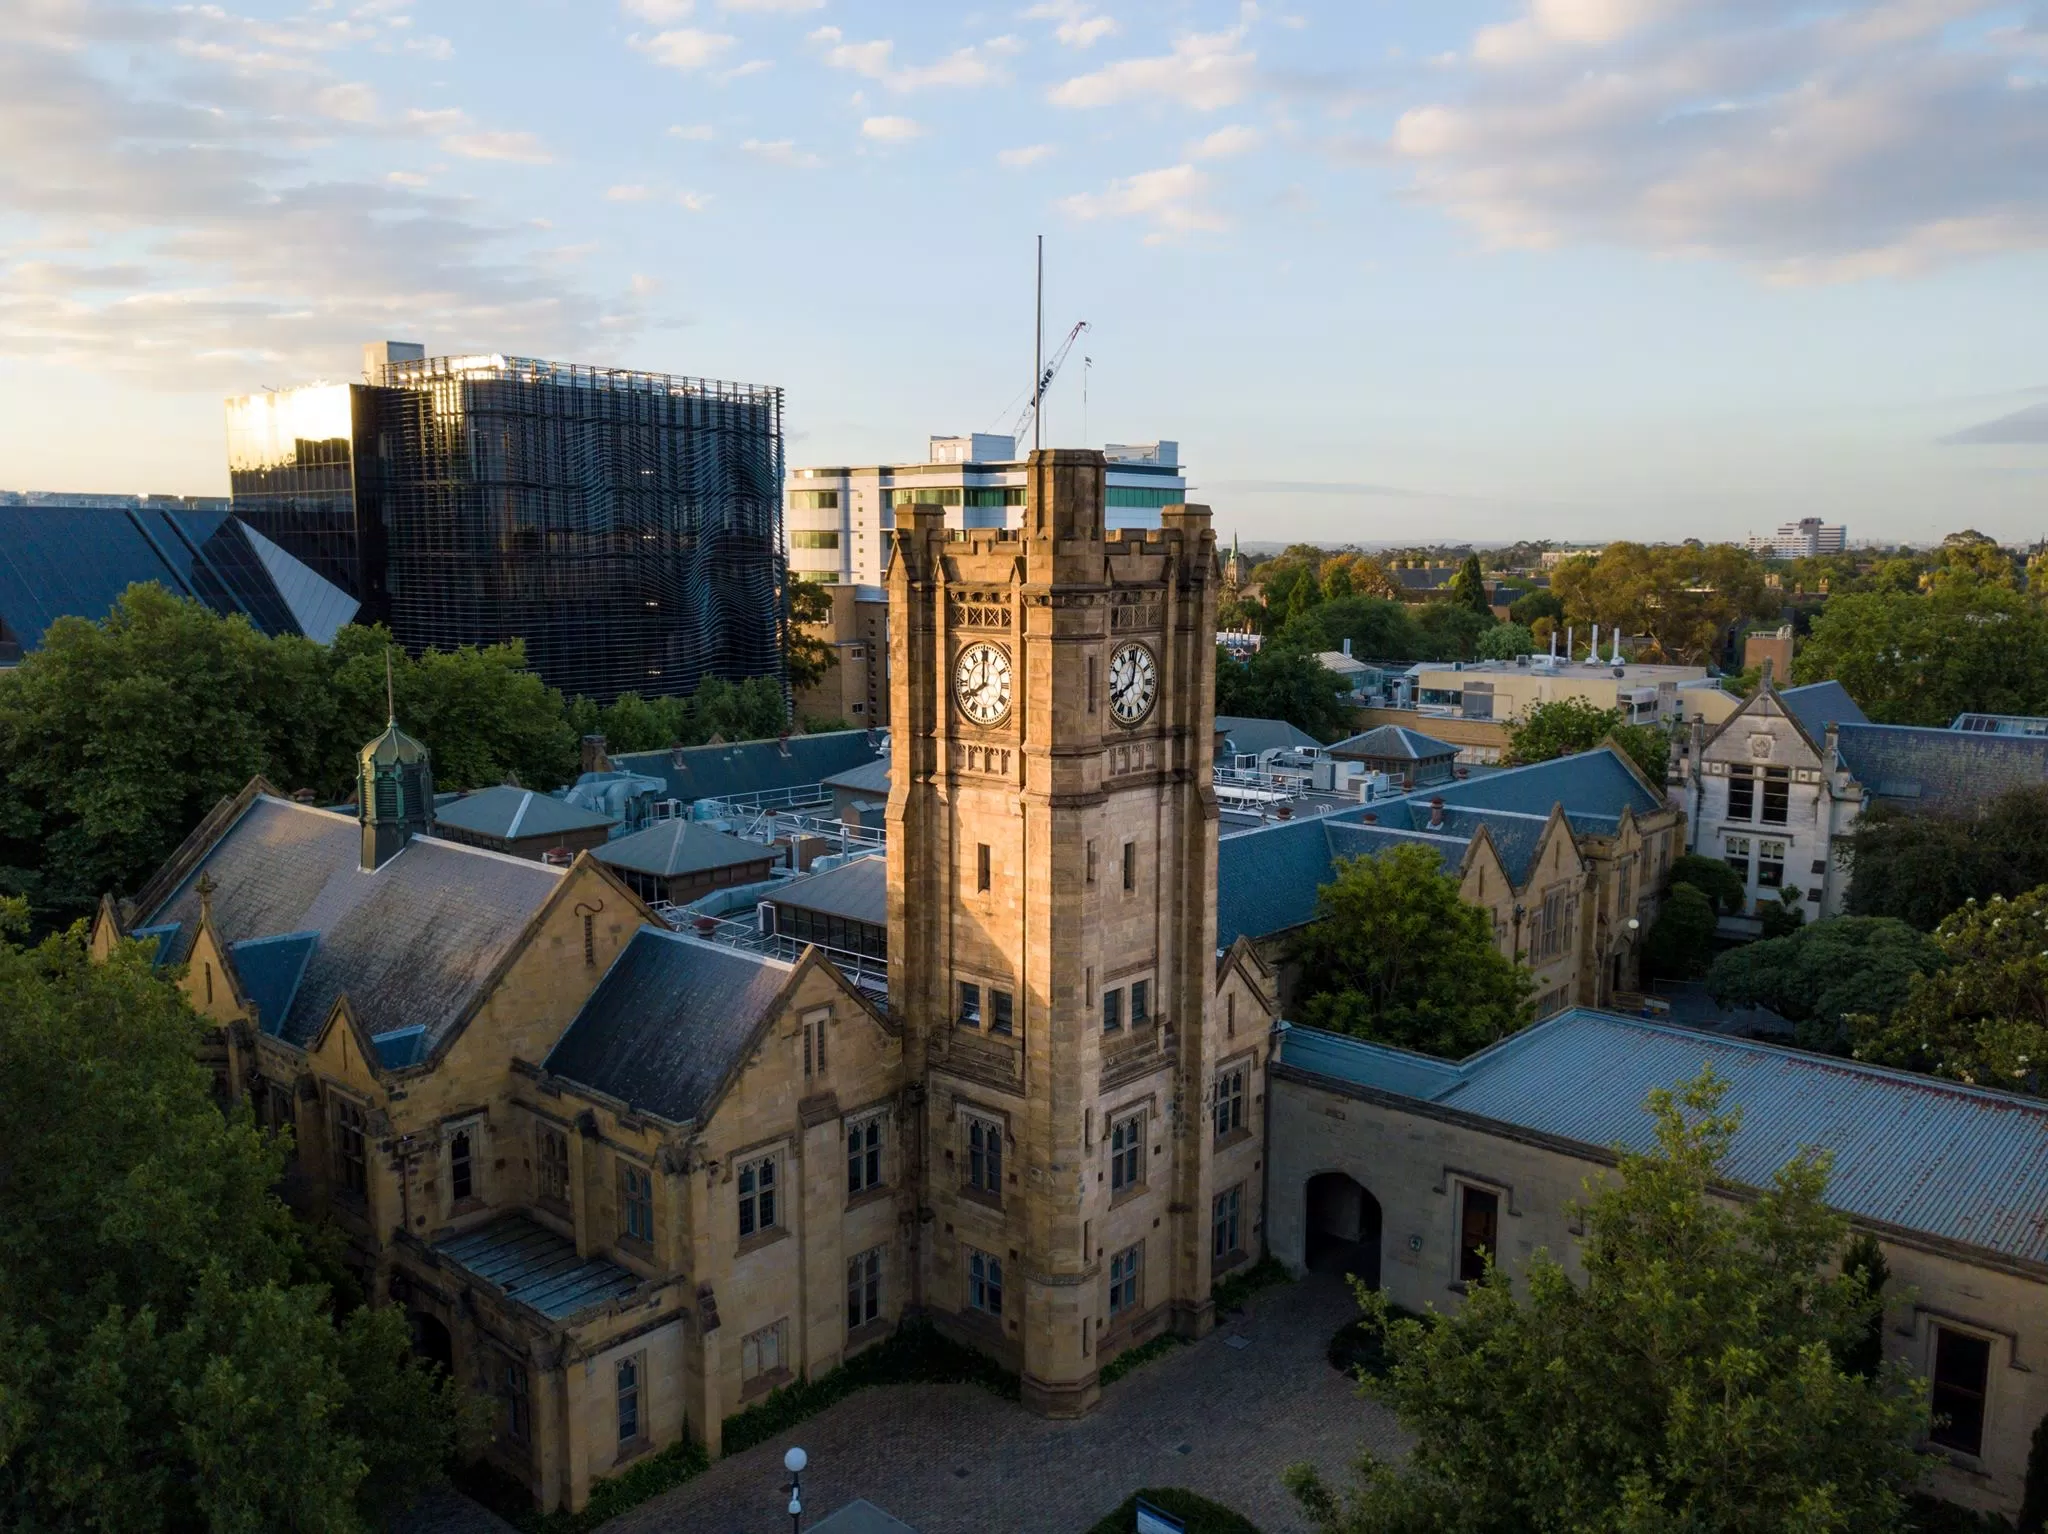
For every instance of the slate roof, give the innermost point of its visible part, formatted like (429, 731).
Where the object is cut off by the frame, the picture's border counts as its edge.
(751, 767)
(858, 891)
(1820, 704)
(411, 943)
(1948, 771)
(1913, 1152)
(516, 813)
(668, 1022)
(671, 847)
(1394, 742)
(527, 1262)
(867, 778)
(1255, 737)
(1267, 880)
(1594, 782)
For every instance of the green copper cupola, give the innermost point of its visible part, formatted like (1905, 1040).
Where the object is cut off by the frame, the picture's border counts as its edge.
(394, 794)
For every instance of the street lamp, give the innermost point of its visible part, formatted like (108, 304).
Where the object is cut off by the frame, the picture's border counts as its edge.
(794, 1462)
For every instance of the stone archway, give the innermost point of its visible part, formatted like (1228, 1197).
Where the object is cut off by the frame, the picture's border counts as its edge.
(1341, 1228)
(431, 1340)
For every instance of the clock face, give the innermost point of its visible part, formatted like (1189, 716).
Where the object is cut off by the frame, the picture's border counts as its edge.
(1133, 683)
(981, 682)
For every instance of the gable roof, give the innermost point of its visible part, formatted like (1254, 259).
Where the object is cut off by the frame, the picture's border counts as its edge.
(525, 1261)
(1255, 737)
(1267, 880)
(1948, 771)
(867, 778)
(411, 943)
(1820, 704)
(751, 767)
(516, 813)
(270, 969)
(1598, 782)
(669, 1022)
(1394, 741)
(857, 890)
(671, 847)
(1913, 1152)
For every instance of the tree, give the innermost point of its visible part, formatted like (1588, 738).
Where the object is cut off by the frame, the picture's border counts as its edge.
(749, 710)
(1685, 597)
(1969, 558)
(1712, 878)
(1377, 628)
(1567, 726)
(1920, 867)
(1983, 1017)
(1681, 939)
(1818, 977)
(1504, 641)
(1450, 630)
(1537, 604)
(1468, 587)
(1395, 954)
(807, 607)
(1911, 659)
(1863, 1260)
(1280, 682)
(1691, 1382)
(166, 1360)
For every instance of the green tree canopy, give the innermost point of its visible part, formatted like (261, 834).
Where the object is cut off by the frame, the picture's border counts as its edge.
(1818, 977)
(807, 607)
(1504, 641)
(1695, 1380)
(1468, 587)
(1537, 604)
(1395, 954)
(1920, 867)
(1379, 629)
(167, 1359)
(1712, 878)
(1983, 1017)
(1280, 682)
(1450, 630)
(1680, 941)
(1685, 596)
(1912, 659)
(1567, 726)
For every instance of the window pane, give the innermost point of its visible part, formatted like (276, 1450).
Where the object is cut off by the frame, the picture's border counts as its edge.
(1962, 1371)
(1477, 1233)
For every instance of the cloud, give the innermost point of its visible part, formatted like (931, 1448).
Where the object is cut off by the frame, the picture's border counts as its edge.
(890, 130)
(645, 286)
(772, 7)
(781, 151)
(1205, 71)
(516, 145)
(876, 61)
(686, 48)
(693, 202)
(2028, 426)
(696, 132)
(248, 245)
(741, 71)
(662, 13)
(1236, 139)
(628, 193)
(351, 102)
(1018, 159)
(1811, 144)
(1174, 199)
(1078, 25)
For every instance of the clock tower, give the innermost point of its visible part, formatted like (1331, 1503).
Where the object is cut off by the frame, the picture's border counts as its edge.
(1052, 865)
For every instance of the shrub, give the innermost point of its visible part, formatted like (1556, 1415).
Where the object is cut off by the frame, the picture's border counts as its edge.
(1137, 1357)
(1230, 1293)
(2034, 1504)
(1199, 1514)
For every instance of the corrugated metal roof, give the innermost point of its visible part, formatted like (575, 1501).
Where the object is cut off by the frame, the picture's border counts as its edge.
(858, 891)
(867, 778)
(1394, 742)
(270, 969)
(1953, 771)
(1916, 1152)
(668, 1022)
(516, 813)
(751, 767)
(671, 847)
(530, 1263)
(1255, 737)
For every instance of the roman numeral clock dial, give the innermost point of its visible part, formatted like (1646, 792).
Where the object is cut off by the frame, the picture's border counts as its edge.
(981, 682)
(1133, 683)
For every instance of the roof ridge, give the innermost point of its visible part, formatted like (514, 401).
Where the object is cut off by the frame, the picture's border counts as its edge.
(692, 940)
(489, 852)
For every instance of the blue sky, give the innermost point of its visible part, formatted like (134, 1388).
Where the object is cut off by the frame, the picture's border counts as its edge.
(1388, 271)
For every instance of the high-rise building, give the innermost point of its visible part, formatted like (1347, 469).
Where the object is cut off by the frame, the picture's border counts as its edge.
(1801, 540)
(839, 519)
(623, 524)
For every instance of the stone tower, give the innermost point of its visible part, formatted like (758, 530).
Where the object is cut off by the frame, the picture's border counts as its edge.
(1052, 841)
(394, 794)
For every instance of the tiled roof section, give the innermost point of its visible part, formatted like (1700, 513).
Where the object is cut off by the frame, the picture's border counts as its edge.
(1593, 781)
(270, 969)
(411, 943)
(754, 766)
(858, 891)
(1255, 737)
(867, 778)
(668, 1022)
(1820, 704)
(1394, 742)
(515, 814)
(527, 1262)
(671, 847)
(1909, 1151)
(1516, 838)
(1267, 880)
(1350, 839)
(1951, 771)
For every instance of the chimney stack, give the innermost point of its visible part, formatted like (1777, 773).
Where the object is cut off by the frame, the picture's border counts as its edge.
(1436, 813)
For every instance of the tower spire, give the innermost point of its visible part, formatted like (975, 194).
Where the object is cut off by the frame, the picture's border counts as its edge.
(390, 698)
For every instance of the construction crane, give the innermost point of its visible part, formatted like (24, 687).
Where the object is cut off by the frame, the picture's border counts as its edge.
(1045, 379)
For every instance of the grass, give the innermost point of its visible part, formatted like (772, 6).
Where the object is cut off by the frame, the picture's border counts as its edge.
(1231, 1292)
(1360, 1347)
(1199, 1514)
(1137, 1357)
(914, 1355)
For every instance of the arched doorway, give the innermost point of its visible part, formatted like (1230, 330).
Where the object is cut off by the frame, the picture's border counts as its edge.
(431, 1341)
(1343, 1228)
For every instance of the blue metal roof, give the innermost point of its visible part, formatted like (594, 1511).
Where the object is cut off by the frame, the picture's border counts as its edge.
(1820, 704)
(1255, 737)
(751, 767)
(529, 1263)
(1952, 771)
(1394, 742)
(1266, 880)
(517, 813)
(166, 935)
(401, 1047)
(1595, 781)
(1915, 1152)
(270, 969)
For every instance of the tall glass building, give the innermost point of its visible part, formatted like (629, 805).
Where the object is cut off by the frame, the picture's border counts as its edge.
(625, 525)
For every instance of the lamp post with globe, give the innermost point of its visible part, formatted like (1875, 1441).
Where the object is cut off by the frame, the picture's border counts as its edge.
(794, 1462)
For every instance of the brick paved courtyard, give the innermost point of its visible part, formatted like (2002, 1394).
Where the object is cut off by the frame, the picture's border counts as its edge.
(1219, 1419)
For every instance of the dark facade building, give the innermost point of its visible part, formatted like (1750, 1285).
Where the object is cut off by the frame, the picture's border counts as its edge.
(625, 525)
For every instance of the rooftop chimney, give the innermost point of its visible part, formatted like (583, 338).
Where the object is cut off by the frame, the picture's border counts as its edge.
(1436, 813)
(1347, 645)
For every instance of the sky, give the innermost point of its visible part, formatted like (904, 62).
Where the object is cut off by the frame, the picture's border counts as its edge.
(1424, 271)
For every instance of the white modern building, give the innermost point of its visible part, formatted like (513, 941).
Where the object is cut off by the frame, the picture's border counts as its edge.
(1801, 540)
(838, 519)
